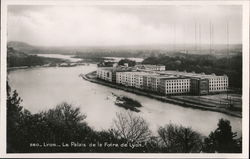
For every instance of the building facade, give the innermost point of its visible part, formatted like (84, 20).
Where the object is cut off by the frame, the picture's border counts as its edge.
(175, 86)
(132, 79)
(105, 74)
(109, 73)
(199, 86)
(166, 82)
(218, 83)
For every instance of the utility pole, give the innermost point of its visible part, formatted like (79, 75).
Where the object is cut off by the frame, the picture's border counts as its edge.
(200, 37)
(228, 63)
(174, 38)
(185, 39)
(210, 33)
(195, 36)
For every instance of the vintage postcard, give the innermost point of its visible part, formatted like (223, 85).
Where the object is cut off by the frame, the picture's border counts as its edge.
(124, 79)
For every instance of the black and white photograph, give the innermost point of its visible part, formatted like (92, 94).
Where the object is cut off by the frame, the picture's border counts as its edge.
(128, 78)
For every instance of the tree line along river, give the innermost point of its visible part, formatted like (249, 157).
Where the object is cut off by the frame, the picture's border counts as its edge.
(44, 88)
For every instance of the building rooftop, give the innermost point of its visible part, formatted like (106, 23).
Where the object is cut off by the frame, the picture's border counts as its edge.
(191, 74)
(138, 73)
(116, 68)
(148, 65)
(162, 74)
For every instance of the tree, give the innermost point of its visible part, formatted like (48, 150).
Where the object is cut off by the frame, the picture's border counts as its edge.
(202, 63)
(179, 139)
(14, 111)
(222, 139)
(131, 127)
(65, 113)
(66, 124)
(129, 62)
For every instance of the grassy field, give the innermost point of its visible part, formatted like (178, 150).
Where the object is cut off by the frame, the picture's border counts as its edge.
(217, 100)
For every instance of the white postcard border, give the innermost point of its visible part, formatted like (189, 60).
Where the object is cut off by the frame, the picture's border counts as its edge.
(245, 88)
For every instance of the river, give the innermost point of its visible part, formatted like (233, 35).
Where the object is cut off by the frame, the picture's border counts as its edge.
(59, 56)
(44, 88)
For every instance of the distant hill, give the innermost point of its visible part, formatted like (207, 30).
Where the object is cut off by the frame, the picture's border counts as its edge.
(31, 49)
(17, 58)
(125, 51)
(17, 44)
(20, 46)
(14, 53)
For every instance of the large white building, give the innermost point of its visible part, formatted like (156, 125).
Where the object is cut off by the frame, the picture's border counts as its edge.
(166, 82)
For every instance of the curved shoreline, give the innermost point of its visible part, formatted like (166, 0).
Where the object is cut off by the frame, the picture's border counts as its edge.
(90, 77)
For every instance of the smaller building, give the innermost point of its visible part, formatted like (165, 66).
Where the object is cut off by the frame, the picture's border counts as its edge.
(151, 67)
(132, 79)
(139, 79)
(109, 73)
(147, 82)
(105, 74)
(125, 78)
(217, 84)
(199, 86)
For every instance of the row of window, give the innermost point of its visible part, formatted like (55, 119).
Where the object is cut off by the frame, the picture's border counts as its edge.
(176, 81)
(177, 84)
(177, 87)
(218, 85)
(219, 79)
(218, 82)
(218, 88)
(177, 91)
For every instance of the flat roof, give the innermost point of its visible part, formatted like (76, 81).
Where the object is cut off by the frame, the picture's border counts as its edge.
(166, 76)
(137, 73)
(116, 68)
(149, 65)
(192, 74)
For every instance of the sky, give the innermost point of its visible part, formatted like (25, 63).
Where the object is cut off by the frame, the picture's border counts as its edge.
(96, 25)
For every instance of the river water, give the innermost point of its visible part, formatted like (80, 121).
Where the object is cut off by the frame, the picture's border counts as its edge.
(65, 57)
(44, 88)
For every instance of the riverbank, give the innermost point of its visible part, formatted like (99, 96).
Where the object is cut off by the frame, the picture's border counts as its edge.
(45, 66)
(24, 67)
(92, 78)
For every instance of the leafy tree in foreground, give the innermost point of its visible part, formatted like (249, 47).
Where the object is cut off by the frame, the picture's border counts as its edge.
(222, 139)
(14, 111)
(179, 139)
(62, 124)
(65, 124)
